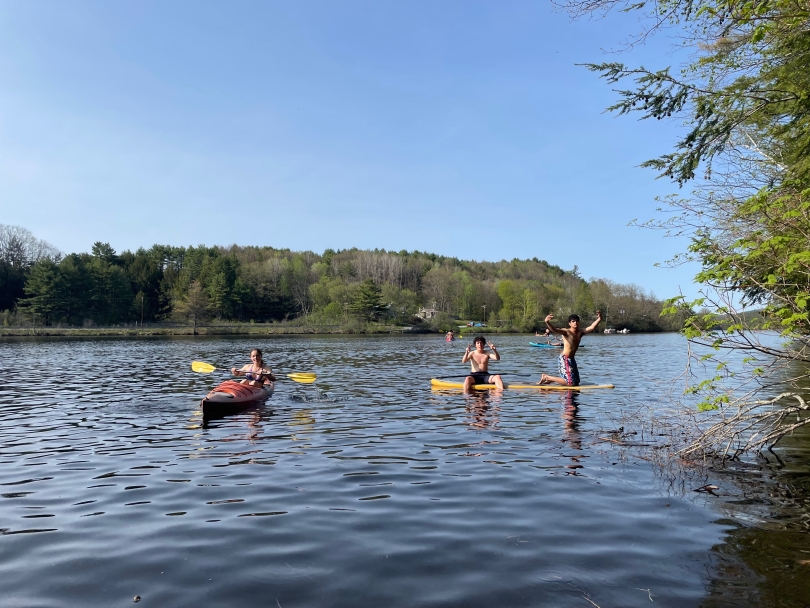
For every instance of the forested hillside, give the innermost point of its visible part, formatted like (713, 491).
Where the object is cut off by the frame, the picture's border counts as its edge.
(195, 284)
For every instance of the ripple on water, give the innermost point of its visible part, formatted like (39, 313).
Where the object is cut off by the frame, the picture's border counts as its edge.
(343, 493)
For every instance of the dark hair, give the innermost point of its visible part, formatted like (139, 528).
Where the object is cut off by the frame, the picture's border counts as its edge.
(258, 351)
(573, 318)
(480, 339)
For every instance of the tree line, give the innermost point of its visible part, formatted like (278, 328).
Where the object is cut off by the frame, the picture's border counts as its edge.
(261, 284)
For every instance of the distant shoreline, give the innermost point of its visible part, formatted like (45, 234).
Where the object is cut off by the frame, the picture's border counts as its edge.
(215, 330)
(241, 329)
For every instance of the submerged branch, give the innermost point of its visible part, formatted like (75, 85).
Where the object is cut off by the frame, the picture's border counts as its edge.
(749, 428)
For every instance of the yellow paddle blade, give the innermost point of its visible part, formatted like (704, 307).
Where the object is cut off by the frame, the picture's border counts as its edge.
(303, 378)
(203, 368)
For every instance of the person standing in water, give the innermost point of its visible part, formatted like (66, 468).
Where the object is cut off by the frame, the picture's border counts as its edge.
(479, 363)
(256, 373)
(569, 374)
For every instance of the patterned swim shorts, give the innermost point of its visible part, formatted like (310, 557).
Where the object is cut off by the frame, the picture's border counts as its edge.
(568, 370)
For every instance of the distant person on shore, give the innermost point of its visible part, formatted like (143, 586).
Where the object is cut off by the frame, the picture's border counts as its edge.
(479, 364)
(256, 373)
(569, 374)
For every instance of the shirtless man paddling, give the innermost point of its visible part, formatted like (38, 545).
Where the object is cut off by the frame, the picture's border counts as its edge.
(479, 363)
(569, 374)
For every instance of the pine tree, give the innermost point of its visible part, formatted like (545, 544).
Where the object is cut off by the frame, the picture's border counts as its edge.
(367, 302)
(42, 289)
(193, 306)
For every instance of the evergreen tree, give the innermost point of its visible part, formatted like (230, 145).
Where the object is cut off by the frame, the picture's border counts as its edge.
(111, 295)
(12, 284)
(104, 251)
(144, 273)
(192, 306)
(218, 294)
(77, 288)
(367, 302)
(42, 291)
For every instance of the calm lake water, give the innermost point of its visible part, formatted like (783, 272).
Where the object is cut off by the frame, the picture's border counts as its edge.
(368, 488)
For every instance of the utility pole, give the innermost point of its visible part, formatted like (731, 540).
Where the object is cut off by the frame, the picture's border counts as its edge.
(141, 310)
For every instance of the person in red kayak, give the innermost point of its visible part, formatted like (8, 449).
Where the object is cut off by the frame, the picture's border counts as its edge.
(569, 373)
(257, 373)
(479, 362)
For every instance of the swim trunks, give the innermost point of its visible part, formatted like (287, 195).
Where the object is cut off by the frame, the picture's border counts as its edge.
(568, 370)
(481, 378)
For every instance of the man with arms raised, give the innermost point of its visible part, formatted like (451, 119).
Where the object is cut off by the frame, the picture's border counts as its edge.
(479, 362)
(569, 374)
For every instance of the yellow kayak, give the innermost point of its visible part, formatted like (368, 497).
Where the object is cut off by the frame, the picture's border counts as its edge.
(435, 383)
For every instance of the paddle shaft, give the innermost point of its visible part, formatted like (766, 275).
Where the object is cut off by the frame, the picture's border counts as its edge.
(467, 375)
(207, 368)
(272, 376)
(275, 378)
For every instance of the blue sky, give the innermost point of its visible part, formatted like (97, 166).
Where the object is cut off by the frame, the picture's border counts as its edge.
(456, 127)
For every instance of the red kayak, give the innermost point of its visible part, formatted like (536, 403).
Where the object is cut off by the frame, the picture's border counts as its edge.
(231, 397)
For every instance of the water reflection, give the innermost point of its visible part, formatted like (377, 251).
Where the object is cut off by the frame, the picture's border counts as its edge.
(482, 409)
(571, 424)
(303, 418)
(765, 557)
(253, 417)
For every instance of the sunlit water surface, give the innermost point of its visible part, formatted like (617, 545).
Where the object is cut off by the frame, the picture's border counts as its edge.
(365, 489)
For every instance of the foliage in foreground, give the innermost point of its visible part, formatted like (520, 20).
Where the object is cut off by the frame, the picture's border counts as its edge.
(744, 98)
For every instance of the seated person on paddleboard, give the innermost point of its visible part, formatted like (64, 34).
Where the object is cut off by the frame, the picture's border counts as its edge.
(479, 362)
(569, 374)
(257, 373)
(547, 335)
